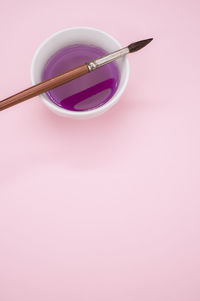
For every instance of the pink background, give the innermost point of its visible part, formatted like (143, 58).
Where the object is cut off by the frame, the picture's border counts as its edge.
(103, 209)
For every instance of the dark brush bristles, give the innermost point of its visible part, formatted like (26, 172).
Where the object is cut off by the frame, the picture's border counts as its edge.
(138, 45)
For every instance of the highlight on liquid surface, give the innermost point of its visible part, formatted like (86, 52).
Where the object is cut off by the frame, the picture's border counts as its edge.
(87, 92)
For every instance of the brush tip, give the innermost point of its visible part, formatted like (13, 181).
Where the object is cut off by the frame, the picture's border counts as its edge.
(139, 45)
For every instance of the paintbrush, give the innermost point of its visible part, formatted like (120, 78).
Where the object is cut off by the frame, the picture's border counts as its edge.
(70, 75)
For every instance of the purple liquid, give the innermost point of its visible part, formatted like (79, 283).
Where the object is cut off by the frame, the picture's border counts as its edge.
(87, 92)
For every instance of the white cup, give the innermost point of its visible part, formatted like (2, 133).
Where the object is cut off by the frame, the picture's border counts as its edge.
(74, 35)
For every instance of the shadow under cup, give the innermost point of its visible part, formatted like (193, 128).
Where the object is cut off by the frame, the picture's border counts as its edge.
(91, 94)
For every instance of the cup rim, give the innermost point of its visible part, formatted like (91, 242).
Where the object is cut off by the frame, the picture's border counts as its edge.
(91, 112)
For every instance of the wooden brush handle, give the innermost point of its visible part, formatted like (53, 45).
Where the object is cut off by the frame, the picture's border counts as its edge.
(44, 86)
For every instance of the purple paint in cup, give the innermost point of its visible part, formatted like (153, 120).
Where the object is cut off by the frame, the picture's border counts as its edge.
(86, 92)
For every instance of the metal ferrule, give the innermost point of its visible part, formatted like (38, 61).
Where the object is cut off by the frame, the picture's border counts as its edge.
(107, 58)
